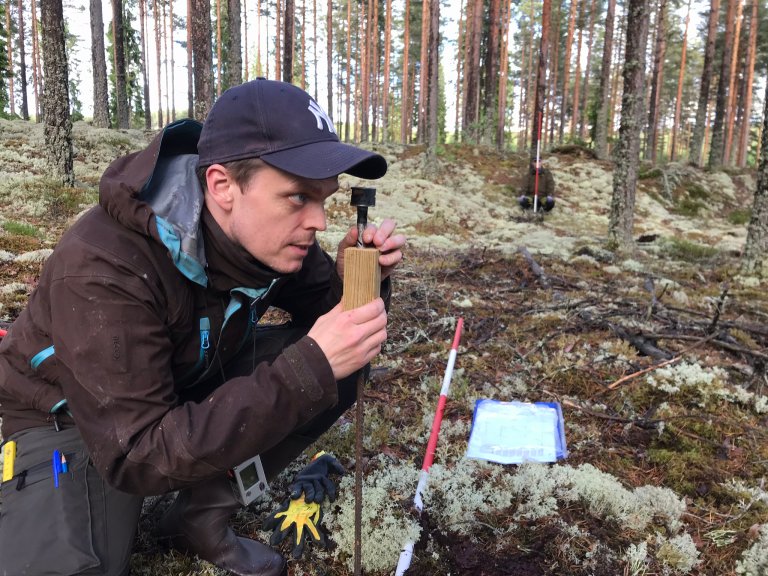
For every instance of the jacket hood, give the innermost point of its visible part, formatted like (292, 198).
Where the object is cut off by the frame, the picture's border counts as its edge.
(156, 192)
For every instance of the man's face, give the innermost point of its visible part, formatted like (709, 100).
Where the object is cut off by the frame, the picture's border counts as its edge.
(276, 215)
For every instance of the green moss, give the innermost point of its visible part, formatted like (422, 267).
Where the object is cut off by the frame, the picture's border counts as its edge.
(20, 228)
(687, 251)
(689, 207)
(697, 192)
(649, 174)
(740, 216)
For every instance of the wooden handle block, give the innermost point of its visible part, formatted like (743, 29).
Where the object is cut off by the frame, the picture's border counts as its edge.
(362, 277)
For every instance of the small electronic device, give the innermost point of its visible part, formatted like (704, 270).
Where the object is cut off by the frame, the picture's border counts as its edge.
(251, 480)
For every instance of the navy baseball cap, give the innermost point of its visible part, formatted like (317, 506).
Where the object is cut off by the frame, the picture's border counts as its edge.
(283, 125)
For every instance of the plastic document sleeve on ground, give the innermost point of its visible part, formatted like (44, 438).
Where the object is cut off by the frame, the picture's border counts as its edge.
(516, 432)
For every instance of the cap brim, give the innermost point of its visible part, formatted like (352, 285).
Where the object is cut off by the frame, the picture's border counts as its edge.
(321, 160)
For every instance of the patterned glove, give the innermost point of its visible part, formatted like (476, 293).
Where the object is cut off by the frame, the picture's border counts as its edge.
(300, 519)
(313, 480)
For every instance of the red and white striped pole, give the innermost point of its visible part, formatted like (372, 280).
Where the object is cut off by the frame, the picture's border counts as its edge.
(405, 556)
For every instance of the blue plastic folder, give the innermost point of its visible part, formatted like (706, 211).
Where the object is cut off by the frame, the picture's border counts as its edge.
(517, 432)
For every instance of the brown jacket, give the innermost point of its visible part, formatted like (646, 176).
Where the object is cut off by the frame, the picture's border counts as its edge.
(139, 297)
(546, 183)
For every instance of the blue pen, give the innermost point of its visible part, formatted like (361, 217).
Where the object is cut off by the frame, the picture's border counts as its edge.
(56, 467)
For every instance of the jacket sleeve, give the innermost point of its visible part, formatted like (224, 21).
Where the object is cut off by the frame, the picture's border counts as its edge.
(110, 331)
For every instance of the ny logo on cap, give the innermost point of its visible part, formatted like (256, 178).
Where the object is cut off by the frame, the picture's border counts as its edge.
(321, 116)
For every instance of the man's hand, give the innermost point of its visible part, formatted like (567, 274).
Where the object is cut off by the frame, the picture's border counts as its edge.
(299, 518)
(313, 479)
(390, 246)
(352, 338)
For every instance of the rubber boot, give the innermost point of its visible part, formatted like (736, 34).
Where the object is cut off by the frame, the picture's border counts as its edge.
(198, 523)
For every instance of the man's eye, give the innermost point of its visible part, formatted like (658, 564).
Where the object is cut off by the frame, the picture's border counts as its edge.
(300, 198)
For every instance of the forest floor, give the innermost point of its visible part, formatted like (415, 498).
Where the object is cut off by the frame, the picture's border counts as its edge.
(658, 360)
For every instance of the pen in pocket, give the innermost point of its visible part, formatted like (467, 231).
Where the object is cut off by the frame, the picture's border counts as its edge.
(56, 467)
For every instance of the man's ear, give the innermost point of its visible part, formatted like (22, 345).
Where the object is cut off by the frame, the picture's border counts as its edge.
(220, 186)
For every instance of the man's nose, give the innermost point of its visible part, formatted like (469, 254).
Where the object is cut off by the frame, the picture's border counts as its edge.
(316, 217)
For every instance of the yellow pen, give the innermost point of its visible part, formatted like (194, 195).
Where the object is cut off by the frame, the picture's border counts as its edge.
(9, 455)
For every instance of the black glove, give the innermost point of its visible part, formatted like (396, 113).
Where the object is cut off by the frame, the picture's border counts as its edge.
(300, 518)
(313, 480)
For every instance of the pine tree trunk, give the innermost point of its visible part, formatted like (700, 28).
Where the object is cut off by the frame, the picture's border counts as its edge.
(423, 71)
(471, 103)
(585, 89)
(716, 150)
(657, 79)
(100, 91)
(235, 47)
(386, 132)
(22, 64)
(577, 75)
(501, 115)
(144, 78)
(202, 57)
(697, 139)
(621, 217)
(755, 258)
(730, 107)
(288, 20)
(374, 72)
(404, 101)
(190, 65)
(491, 76)
(567, 66)
(459, 73)
(433, 57)
(329, 57)
(166, 28)
(680, 79)
(121, 86)
(347, 86)
(219, 61)
(58, 124)
(615, 102)
(36, 71)
(172, 93)
(159, 58)
(741, 158)
(554, 48)
(278, 36)
(603, 98)
(541, 78)
(9, 48)
(366, 17)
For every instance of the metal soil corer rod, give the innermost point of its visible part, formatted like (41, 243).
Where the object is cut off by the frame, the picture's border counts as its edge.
(405, 556)
(362, 281)
(362, 198)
